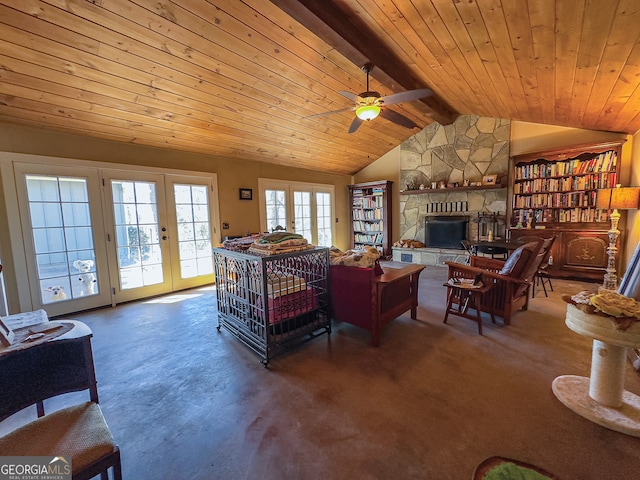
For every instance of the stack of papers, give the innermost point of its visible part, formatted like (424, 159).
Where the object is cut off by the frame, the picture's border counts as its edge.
(25, 319)
(463, 282)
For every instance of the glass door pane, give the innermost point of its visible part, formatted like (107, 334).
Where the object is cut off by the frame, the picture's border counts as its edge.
(62, 237)
(276, 209)
(302, 214)
(323, 219)
(137, 234)
(192, 231)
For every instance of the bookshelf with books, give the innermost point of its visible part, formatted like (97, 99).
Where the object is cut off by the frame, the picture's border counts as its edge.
(371, 215)
(554, 192)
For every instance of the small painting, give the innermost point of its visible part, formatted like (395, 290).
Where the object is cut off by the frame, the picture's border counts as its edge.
(489, 179)
(246, 194)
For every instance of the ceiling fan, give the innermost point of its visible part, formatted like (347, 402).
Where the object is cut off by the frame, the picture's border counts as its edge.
(368, 105)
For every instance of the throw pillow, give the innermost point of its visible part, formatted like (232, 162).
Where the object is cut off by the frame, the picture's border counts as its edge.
(517, 261)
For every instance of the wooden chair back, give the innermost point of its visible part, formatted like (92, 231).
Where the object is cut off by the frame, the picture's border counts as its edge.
(529, 275)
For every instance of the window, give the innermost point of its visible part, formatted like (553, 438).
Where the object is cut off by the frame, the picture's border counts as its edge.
(304, 208)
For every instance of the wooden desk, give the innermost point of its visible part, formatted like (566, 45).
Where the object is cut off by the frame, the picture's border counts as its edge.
(394, 292)
(465, 297)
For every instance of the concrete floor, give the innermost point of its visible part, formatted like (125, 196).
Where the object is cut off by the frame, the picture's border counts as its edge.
(185, 401)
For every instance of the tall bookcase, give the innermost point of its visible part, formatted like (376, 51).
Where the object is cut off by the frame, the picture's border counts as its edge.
(371, 215)
(554, 192)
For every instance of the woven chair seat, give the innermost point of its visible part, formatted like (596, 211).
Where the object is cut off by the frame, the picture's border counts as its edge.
(80, 432)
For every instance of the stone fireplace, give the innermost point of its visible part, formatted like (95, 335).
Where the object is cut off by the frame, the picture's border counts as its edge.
(456, 155)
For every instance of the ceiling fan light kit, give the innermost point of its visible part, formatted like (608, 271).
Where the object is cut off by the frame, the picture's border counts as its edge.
(368, 112)
(369, 105)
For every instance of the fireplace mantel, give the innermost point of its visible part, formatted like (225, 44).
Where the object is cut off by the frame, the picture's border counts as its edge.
(451, 190)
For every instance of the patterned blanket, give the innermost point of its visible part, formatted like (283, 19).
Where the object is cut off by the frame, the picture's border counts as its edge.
(354, 258)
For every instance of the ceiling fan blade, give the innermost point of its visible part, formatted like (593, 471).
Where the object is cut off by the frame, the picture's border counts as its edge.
(407, 96)
(351, 96)
(355, 124)
(329, 113)
(398, 118)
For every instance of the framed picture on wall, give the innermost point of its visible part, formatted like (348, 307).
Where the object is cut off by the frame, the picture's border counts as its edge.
(489, 179)
(246, 194)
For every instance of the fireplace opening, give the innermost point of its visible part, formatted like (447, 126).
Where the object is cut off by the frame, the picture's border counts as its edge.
(445, 231)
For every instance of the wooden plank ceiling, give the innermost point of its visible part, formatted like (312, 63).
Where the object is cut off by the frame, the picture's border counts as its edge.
(236, 78)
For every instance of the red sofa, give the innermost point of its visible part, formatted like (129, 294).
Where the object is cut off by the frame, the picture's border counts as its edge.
(360, 297)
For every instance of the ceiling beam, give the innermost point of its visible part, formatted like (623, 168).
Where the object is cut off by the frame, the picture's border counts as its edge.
(349, 35)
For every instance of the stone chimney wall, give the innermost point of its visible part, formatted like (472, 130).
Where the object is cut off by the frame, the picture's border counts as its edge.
(470, 149)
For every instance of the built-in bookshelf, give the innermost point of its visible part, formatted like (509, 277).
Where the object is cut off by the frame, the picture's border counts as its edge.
(547, 191)
(554, 193)
(371, 215)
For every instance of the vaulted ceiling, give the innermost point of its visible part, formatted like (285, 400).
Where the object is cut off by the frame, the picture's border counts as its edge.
(238, 78)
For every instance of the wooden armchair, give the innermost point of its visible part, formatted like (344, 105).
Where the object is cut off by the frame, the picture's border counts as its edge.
(511, 279)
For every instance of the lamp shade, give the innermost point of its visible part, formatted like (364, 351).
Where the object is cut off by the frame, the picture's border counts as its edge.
(367, 112)
(619, 198)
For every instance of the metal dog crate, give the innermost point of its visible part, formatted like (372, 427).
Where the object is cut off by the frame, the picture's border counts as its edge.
(272, 303)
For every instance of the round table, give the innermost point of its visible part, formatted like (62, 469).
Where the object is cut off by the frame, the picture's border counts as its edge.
(602, 397)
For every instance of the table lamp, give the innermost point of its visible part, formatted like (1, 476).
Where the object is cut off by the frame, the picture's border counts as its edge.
(619, 198)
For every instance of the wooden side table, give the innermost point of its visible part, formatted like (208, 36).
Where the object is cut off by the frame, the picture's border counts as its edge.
(461, 297)
(394, 292)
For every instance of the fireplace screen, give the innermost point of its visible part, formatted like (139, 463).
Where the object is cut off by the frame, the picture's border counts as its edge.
(445, 231)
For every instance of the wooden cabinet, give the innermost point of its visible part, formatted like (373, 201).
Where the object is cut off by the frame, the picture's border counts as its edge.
(371, 215)
(554, 192)
(575, 253)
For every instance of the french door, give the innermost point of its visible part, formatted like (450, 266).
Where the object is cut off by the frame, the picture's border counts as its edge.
(95, 237)
(306, 209)
(137, 235)
(63, 236)
(190, 213)
(160, 233)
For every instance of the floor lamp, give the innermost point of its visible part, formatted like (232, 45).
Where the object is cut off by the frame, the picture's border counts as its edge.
(619, 198)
